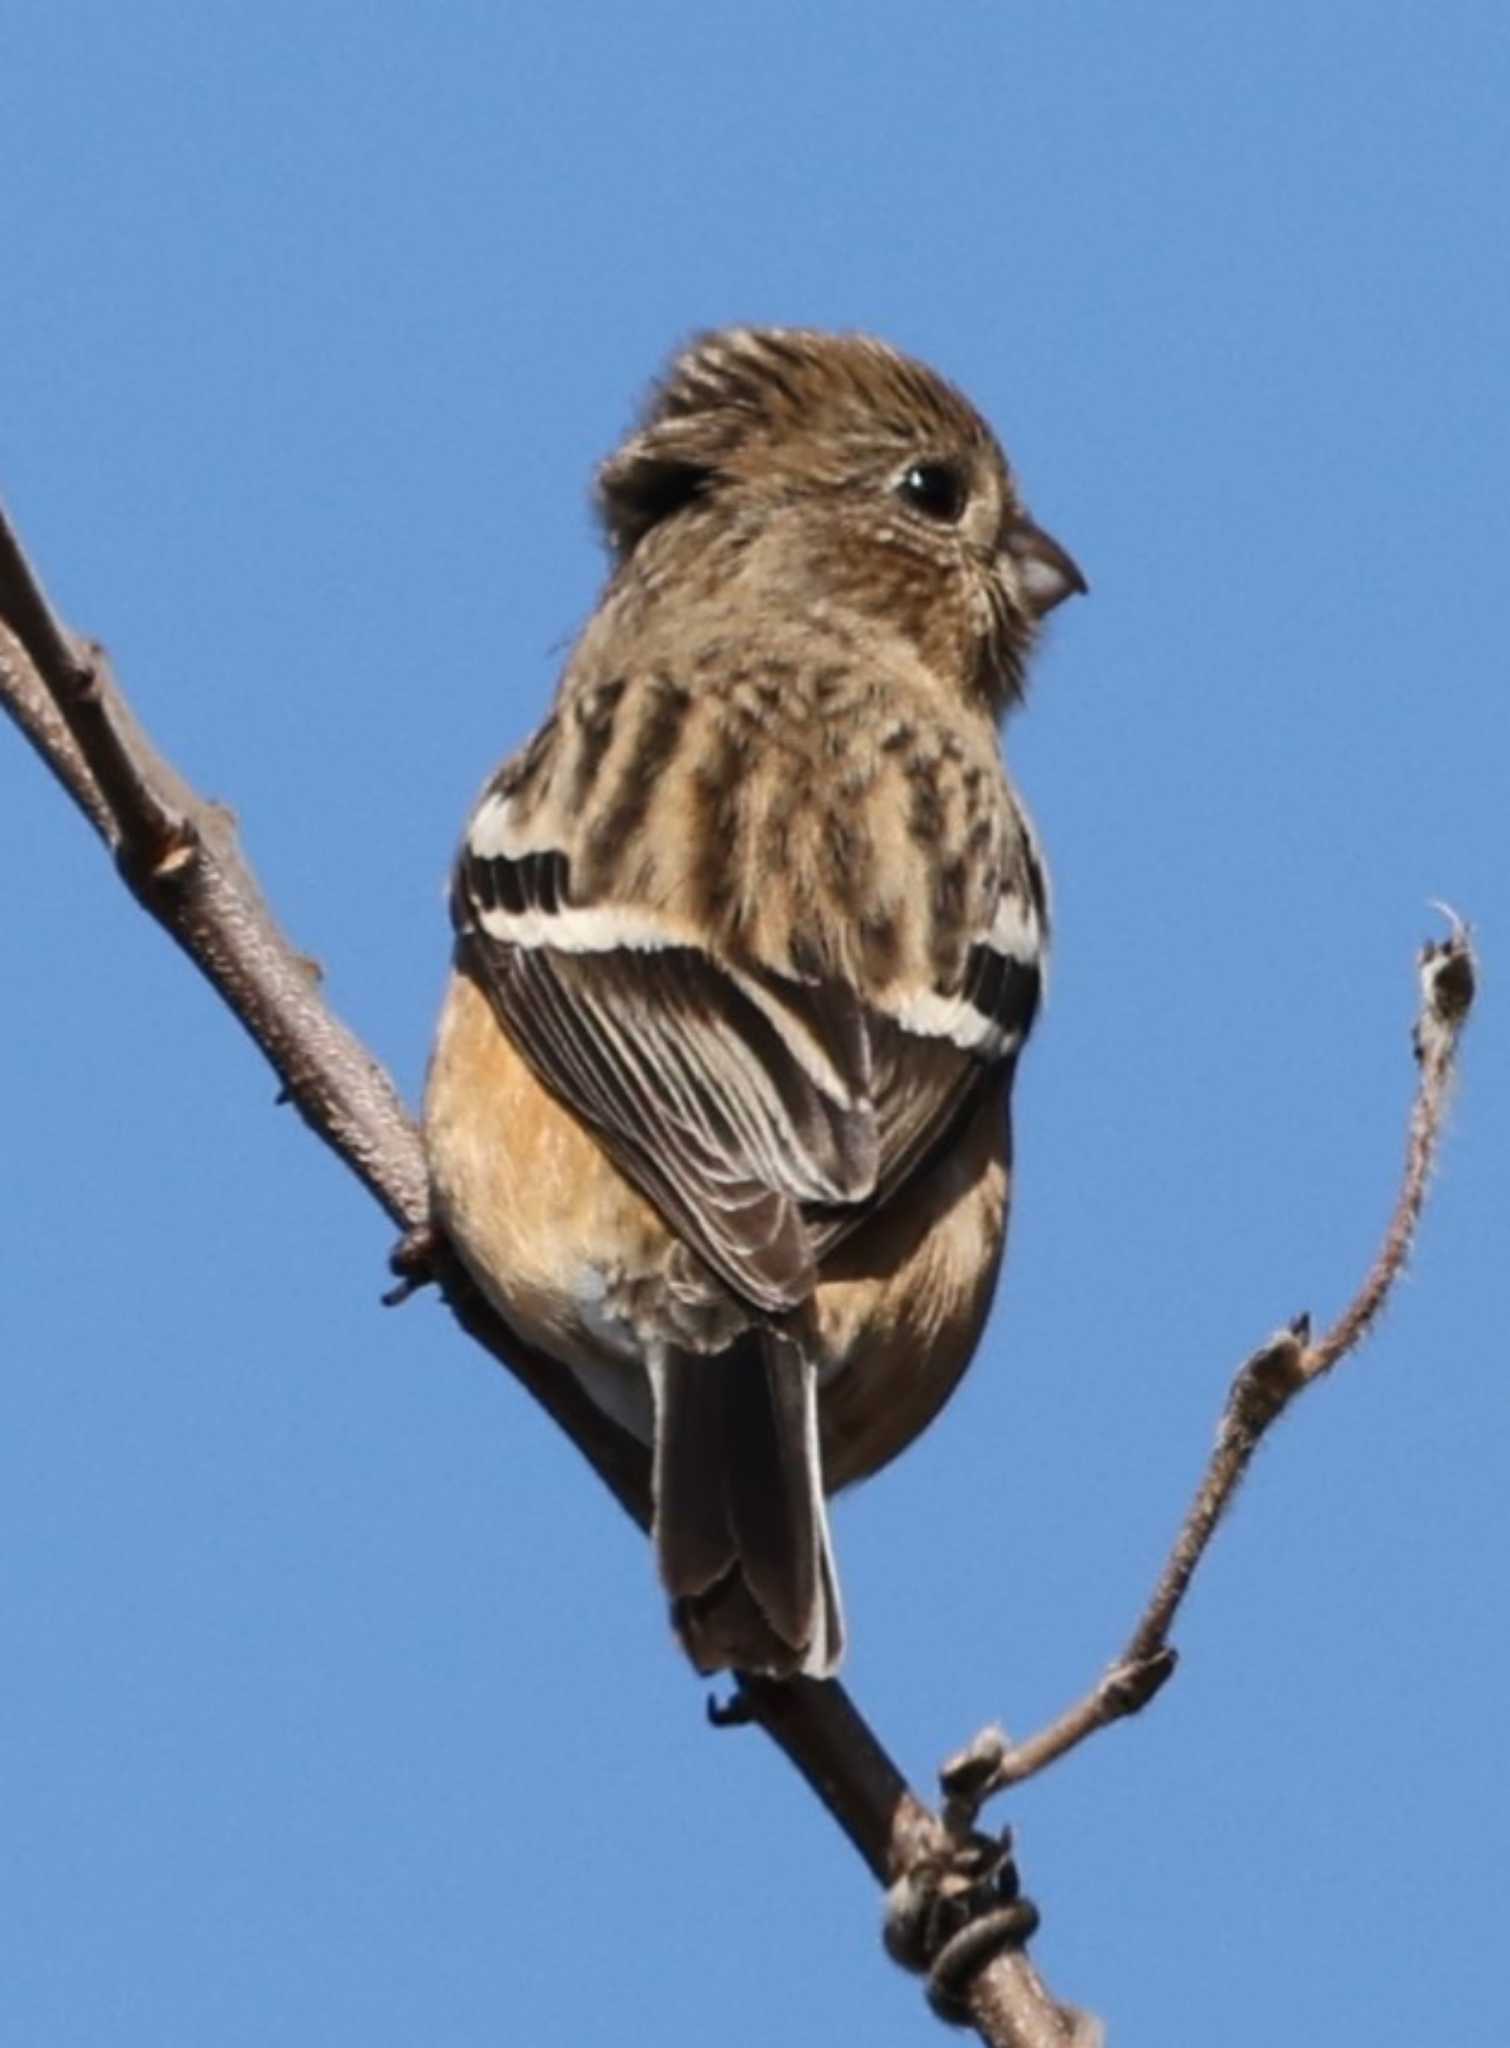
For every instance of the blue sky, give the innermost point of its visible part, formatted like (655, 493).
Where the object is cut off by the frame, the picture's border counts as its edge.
(338, 1704)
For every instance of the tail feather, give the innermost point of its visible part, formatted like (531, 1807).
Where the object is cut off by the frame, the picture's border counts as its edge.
(740, 1527)
(694, 1545)
(775, 1504)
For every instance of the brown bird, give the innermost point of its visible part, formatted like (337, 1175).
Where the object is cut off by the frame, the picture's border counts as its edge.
(749, 938)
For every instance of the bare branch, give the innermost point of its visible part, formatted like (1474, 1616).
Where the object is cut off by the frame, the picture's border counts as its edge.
(144, 799)
(26, 698)
(1264, 1387)
(179, 856)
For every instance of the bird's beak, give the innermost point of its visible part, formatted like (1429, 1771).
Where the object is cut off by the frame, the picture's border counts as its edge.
(1047, 572)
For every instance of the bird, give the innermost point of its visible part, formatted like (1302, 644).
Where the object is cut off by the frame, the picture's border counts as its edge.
(749, 937)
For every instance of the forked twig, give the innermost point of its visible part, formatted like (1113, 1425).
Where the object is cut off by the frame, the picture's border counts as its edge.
(1261, 1392)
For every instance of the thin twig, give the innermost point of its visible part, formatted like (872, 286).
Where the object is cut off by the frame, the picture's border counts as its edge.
(1261, 1392)
(1448, 976)
(179, 856)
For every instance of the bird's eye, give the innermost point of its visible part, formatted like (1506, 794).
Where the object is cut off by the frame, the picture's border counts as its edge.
(937, 490)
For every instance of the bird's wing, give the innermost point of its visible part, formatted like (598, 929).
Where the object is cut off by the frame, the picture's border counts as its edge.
(731, 1097)
(934, 1044)
(765, 1113)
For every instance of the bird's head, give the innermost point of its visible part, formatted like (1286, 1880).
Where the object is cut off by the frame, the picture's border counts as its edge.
(843, 474)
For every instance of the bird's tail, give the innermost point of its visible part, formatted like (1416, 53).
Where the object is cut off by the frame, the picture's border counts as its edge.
(741, 1533)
